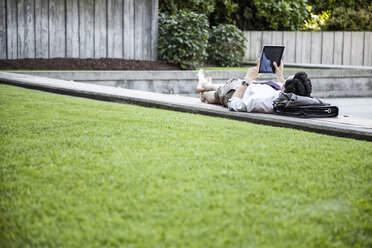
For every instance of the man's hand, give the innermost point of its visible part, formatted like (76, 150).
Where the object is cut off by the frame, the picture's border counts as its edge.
(279, 71)
(252, 73)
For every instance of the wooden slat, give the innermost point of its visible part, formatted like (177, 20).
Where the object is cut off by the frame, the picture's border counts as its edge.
(299, 48)
(100, 41)
(367, 49)
(346, 59)
(267, 38)
(289, 39)
(3, 30)
(277, 38)
(115, 29)
(255, 45)
(338, 48)
(138, 32)
(86, 28)
(146, 29)
(128, 29)
(247, 42)
(21, 29)
(57, 28)
(29, 34)
(41, 29)
(72, 28)
(306, 44)
(154, 29)
(327, 48)
(12, 44)
(357, 46)
(316, 47)
(303, 43)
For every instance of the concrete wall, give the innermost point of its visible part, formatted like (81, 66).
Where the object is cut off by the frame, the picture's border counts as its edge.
(334, 48)
(326, 83)
(79, 29)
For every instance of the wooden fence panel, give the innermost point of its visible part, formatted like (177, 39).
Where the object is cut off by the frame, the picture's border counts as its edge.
(79, 29)
(303, 47)
(247, 43)
(21, 29)
(367, 49)
(100, 41)
(72, 29)
(277, 38)
(357, 43)
(346, 58)
(289, 41)
(86, 28)
(115, 28)
(138, 33)
(267, 38)
(3, 37)
(338, 48)
(255, 45)
(29, 32)
(57, 42)
(306, 46)
(146, 29)
(41, 29)
(129, 29)
(316, 43)
(327, 48)
(299, 48)
(12, 43)
(154, 29)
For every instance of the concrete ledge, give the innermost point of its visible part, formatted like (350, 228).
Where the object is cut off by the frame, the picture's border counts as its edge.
(326, 83)
(342, 127)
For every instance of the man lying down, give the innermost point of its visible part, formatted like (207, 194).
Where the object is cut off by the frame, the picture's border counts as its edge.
(249, 95)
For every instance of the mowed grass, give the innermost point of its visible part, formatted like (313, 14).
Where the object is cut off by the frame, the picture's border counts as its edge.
(82, 173)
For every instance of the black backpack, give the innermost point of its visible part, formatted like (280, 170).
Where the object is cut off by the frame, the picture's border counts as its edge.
(307, 111)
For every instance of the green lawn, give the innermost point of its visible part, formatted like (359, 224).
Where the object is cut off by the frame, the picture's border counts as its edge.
(81, 173)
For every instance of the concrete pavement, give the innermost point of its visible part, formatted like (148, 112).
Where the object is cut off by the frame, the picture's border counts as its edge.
(360, 107)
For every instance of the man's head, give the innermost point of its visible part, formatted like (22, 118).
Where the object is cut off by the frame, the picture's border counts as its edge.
(300, 85)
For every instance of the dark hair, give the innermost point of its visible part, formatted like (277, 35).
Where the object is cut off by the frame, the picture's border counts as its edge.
(300, 85)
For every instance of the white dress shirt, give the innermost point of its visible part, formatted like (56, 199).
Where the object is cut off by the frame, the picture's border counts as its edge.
(257, 98)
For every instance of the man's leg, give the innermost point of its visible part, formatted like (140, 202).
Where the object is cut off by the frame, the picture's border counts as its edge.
(205, 84)
(208, 96)
(216, 93)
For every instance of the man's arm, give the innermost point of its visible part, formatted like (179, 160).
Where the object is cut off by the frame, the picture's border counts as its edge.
(252, 74)
(279, 71)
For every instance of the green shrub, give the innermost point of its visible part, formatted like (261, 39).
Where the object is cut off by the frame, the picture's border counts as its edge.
(183, 39)
(350, 20)
(226, 45)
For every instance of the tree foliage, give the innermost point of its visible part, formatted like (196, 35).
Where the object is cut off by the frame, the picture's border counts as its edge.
(246, 14)
(279, 15)
(349, 19)
(319, 6)
(344, 15)
(217, 11)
